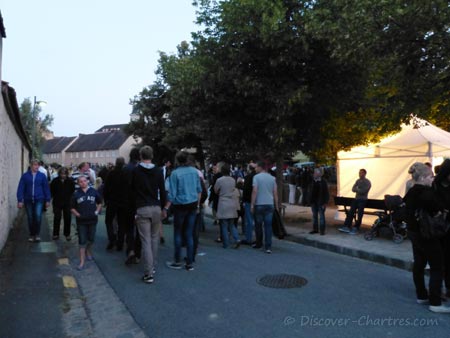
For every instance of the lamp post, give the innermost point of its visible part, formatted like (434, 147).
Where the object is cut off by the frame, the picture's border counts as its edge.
(35, 124)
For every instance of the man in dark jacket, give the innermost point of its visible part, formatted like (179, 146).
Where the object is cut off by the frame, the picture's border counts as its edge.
(150, 198)
(247, 200)
(62, 188)
(318, 199)
(33, 191)
(132, 237)
(113, 194)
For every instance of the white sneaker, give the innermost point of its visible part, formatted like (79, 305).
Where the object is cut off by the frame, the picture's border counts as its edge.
(439, 308)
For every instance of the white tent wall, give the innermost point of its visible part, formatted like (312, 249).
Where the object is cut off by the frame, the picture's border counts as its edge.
(387, 162)
(387, 175)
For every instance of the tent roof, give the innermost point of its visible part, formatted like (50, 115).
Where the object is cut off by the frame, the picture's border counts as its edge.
(418, 139)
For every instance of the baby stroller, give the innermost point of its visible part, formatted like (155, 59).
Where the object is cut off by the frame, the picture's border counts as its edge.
(392, 218)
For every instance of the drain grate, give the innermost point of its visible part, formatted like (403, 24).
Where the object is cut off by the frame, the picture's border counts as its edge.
(282, 281)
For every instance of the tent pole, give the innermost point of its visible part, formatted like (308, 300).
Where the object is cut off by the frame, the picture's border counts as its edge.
(430, 152)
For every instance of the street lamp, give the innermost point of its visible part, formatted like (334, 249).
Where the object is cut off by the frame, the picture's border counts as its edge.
(34, 126)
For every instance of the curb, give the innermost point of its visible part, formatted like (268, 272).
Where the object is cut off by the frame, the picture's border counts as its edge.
(351, 252)
(376, 258)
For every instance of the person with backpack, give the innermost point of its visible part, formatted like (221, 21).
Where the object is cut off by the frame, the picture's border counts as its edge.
(425, 250)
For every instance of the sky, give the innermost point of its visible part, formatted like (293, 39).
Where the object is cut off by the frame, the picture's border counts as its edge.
(88, 58)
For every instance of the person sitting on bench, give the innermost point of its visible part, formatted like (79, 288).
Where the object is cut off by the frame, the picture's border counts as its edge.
(361, 189)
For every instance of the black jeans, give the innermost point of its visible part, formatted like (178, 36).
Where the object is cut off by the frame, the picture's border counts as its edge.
(112, 211)
(59, 212)
(445, 242)
(427, 251)
(131, 233)
(357, 204)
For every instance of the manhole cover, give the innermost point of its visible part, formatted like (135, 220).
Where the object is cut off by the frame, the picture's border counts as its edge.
(282, 281)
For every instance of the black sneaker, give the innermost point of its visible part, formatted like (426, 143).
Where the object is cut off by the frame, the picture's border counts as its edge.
(55, 237)
(189, 267)
(256, 246)
(174, 265)
(110, 246)
(148, 279)
(162, 240)
(312, 232)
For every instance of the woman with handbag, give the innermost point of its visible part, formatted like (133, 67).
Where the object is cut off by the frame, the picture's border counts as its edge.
(425, 250)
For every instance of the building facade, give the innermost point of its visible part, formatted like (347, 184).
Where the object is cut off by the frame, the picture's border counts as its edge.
(14, 152)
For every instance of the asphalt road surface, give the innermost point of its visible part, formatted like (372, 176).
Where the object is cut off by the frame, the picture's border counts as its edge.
(343, 297)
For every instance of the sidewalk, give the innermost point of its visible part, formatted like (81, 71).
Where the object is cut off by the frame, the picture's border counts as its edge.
(43, 295)
(298, 223)
(31, 291)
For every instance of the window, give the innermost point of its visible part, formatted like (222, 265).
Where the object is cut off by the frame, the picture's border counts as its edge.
(71, 155)
(76, 155)
(96, 154)
(84, 154)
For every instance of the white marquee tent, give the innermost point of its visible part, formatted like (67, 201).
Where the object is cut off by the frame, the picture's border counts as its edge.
(387, 162)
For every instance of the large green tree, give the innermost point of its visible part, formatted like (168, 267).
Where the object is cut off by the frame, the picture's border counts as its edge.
(283, 75)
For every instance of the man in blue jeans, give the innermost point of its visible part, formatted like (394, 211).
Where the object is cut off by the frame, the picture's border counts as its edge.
(264, 201)
(361, 189)
(184, 195)
(33, 191)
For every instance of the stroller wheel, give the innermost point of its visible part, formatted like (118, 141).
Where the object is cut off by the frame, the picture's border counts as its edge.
(368, 236)
(397, 238)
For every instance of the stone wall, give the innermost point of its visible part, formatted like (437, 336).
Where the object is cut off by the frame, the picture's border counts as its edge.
(14, 161)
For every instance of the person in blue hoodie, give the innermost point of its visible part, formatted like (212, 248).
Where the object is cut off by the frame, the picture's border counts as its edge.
(33, 192)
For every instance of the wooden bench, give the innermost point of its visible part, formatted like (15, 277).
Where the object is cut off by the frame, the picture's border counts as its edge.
(376, 207)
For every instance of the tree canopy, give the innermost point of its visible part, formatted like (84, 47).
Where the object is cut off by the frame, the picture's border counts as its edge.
(285, 75)
(34, 125)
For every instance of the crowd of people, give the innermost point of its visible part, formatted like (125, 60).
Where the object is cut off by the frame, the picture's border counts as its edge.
(140, 195)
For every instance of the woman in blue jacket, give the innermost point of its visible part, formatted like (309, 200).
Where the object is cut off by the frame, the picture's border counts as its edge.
(33, 191)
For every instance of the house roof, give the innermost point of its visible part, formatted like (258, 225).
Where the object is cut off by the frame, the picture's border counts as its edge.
(110, 127)
(56, 145)
(98, 141)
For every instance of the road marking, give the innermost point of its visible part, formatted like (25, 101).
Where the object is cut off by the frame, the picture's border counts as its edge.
(63, 261)
(69, 282)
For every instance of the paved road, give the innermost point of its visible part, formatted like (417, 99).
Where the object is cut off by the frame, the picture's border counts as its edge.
(344, 297)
